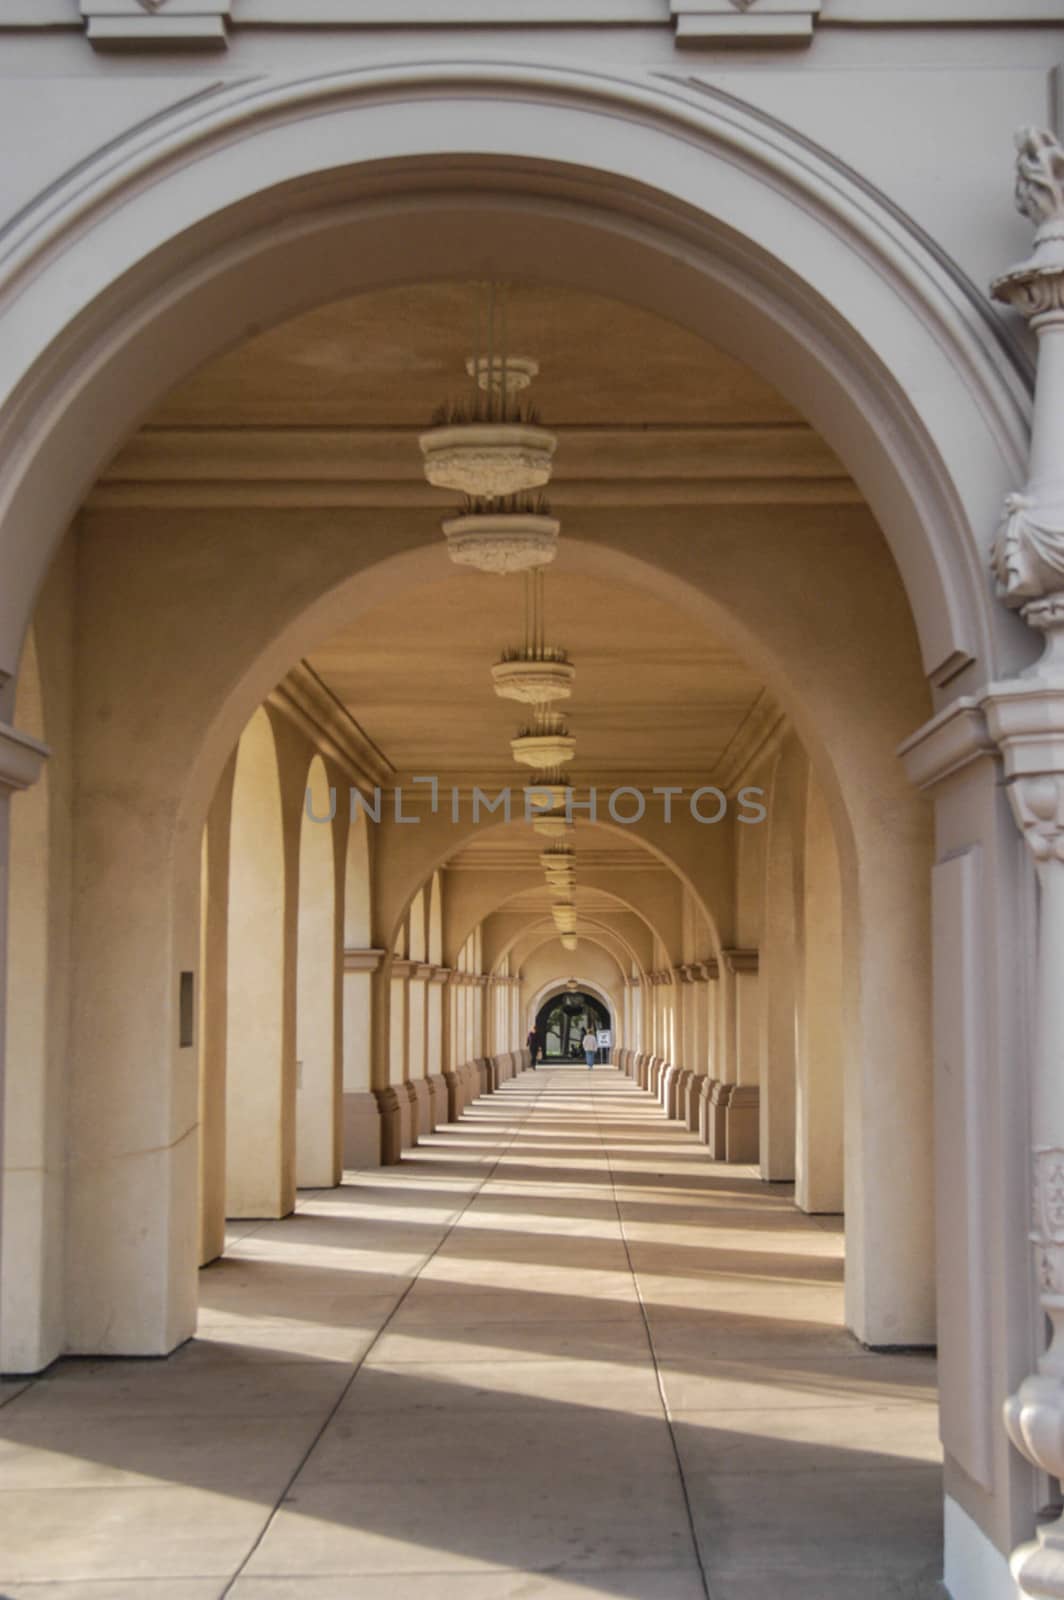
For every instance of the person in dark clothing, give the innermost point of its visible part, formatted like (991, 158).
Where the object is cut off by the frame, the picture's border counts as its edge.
(533, 1045)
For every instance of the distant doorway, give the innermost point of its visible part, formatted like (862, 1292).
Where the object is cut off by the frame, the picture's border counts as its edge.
(562, 1022)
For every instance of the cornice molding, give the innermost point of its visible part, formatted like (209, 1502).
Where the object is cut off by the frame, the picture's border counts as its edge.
(947, 744)
(156, 24)
(744, 22)
(312, 706)
(363, 960)
(741, 961)
(21, 759)
(314, 15)
(757, 738)
(264, 468)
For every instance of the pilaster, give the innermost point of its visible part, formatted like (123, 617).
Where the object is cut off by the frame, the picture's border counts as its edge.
(1025, 718)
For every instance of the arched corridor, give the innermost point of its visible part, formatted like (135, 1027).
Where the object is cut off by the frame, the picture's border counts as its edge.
(478, 528)
(554, 1354)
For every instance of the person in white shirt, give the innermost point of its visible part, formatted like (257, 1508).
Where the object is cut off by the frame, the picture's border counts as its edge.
(590, 1047)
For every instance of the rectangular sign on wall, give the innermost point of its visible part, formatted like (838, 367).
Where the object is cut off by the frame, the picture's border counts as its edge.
(605, 1038)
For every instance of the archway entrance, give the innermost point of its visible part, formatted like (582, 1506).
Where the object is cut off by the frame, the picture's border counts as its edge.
(243, 591)
(561, 1024)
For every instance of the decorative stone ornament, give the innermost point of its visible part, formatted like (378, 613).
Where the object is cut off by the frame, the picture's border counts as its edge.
(1028, 552)
(502, 542)
(569, 942)
(564, 917)
(1025, 717)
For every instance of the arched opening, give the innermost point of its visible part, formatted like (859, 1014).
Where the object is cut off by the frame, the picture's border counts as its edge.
(295, 592)
(260, 1098)
(562, 1023)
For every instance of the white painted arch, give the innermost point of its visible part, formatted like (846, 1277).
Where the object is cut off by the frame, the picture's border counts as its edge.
(683, 202)
(124, 277)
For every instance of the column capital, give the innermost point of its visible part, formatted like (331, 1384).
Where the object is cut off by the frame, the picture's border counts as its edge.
(740, 960)
(21, 759)
(1025, 718)
(423, 970)
(402, 968)
(363, 960)
(685, 972)
(441, 975)
(708, 970)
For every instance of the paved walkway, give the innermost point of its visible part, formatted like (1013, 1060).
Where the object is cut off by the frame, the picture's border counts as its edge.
(557, 1353)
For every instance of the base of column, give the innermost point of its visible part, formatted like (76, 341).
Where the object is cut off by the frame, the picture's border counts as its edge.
(423, 1108)
(975, 1568)
(719, 1101)
(438, 1091)
(742, 1124)
(391, 1115)
(361, 1131)
(691, 1102)
(411, 1115)
(705, 1101)
(674, 1090)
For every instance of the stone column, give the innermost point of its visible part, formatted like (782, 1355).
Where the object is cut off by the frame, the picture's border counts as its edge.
(417, 1051)
(742, 1110)
(399, 1049)
(1026, 717)
(361, 1114)
(435, 1034)
(21, 762)
(718, 1093)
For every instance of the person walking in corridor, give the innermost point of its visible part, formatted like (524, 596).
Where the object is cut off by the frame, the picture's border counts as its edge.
(590, 1047)
(532, 1043)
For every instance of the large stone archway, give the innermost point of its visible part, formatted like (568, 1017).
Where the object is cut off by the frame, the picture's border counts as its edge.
(713, 216)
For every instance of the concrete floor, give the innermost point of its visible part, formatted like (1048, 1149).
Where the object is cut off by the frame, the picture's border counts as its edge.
(557, 1353)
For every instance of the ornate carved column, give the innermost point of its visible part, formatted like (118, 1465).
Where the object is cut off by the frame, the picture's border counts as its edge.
(1026, 718)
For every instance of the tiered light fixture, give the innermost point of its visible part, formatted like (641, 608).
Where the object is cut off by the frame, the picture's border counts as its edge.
(491, 449)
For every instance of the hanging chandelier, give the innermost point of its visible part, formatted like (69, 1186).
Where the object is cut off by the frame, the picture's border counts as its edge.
(537, 674)
(490, 448)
